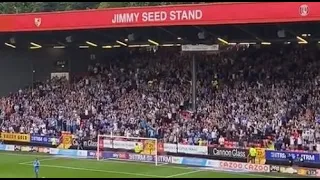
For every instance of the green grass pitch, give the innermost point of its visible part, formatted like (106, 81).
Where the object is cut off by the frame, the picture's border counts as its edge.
(19, 165)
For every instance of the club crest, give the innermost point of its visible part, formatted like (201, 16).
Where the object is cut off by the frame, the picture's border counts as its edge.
(37, 21)
(304, 10)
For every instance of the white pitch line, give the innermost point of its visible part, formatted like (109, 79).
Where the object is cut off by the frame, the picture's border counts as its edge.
(98, 170)
(138, 163)
(162, 164)
(122, 161)
(182, 174)
(45, 159)
(245, 173)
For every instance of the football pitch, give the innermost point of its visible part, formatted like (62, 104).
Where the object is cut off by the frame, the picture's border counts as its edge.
(19, 165)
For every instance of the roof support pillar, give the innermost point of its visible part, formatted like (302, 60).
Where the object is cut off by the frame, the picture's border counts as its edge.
(194, 50)
(194, 83)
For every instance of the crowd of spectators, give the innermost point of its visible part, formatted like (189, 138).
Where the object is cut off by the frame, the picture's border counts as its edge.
(258, 95)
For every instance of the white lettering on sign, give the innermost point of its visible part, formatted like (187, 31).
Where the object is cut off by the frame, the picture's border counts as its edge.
(185, 15)
(125, 18)
(190, 149)
(177, 160)
(82, 153)
(9, 147)
(166, 159)
(157, 16)
(140, 157)
(173, 148)
(213, 163)
(154, 16)
(244, 166)
(119, 144)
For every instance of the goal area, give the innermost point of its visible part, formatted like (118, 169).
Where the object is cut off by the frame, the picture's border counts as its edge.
(127, 148)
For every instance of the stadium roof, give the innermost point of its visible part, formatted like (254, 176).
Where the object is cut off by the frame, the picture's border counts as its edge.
(184, 24)
(168, 36)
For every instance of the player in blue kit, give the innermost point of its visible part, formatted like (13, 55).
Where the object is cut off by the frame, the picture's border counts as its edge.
(36, 167)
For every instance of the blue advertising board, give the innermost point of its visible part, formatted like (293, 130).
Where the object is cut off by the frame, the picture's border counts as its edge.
(129, 156)
(147, 158)
(2, 147)
(194, 161)
(281, 156)
(103, 154)
(141, 157)
(91, 154)
(41, 139)
(68, 152)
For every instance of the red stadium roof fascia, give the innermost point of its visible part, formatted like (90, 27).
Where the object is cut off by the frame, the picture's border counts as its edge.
(199, 14)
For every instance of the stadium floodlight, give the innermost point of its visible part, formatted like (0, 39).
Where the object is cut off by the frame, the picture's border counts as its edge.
(138, 45)
(247, 43)
(167, 45)
(153, 42)
(223, 41)
(121, 43)
(35, 45)
(10, 45)
(58, 47)
(106, 47)
(111, 46)
(302, 41)
(91, 43)
(305, 35)
(266, 43)
(170, 45)
(141, 146)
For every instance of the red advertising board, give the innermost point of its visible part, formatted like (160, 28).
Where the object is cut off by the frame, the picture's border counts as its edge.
(200, 14)
(238, 166)
(123, 155)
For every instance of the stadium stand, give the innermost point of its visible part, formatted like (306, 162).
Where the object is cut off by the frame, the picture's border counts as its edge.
(263, 96)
